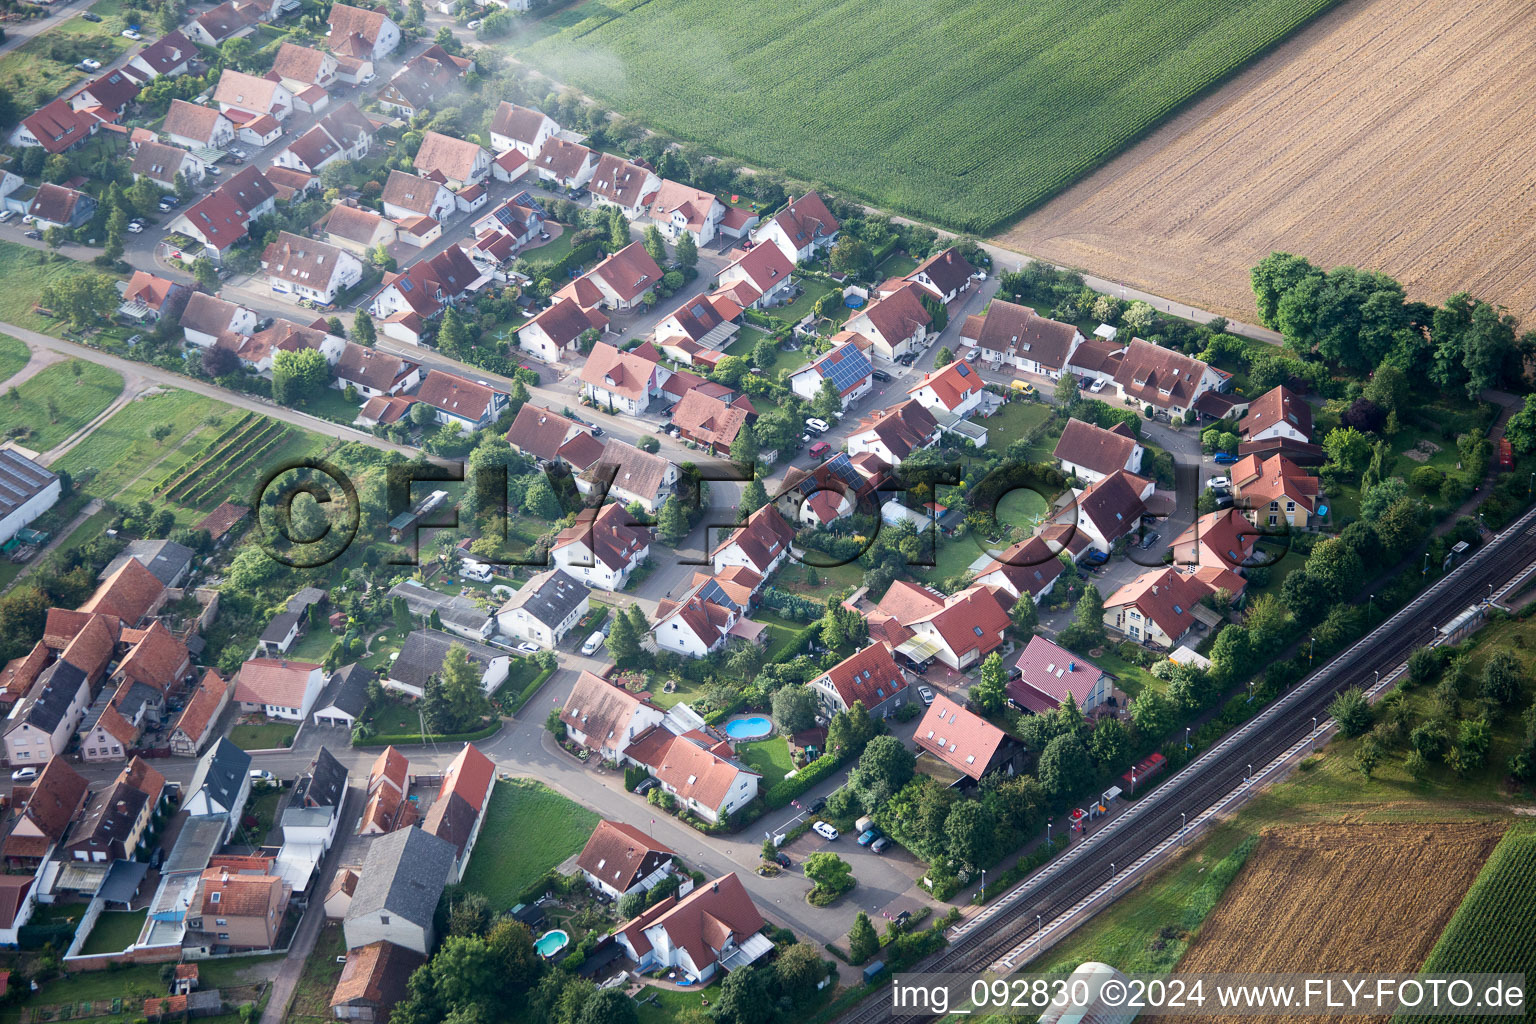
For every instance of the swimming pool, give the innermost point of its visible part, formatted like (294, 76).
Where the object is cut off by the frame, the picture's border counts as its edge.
(552, 942)
(752, 728)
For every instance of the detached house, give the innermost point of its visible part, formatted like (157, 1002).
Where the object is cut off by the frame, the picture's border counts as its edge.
(1222, 539)
(371, 371)
(605, 718)
(1169, 381)
(459, 810)
(309, 269)
(1092, 453)
(695, 765)
(374, 978)
(677, 208)
(801, 229)
(278, 688)
(895, 325)
(945, 275)
(624, 474)
(1045, 675)
(55, 206)
(1012, 335)
(759, 278)
(243, 97)
(1028, 567)
(425, 650)
(968, 628)
(358, 33)
(870, 676)
(402, 878)
(468, 404)
(620, 183)
(161, 164)
(967, 745)
(521, 129)
(554, 333)
(1156, 608)
(1279, 413)
(197, 127)
(1109, 509)
(408, 301)
(622, 281)
(109, 95)
(711, 421)
(429, 75)
(545, 609)
(229, 20)
(622, 381)
(620, 859)
(603, 547)
(300, 67)
(148, 298)
(698, 331)
(233, 911)
(956, 390)
(57, 127)
(569, 165)
(760, 544)
(714, 926)
(206, 319)
(457, 162)
(702, 621)
(893, 434)
(1275, 491)
(222, 218)
(168, 55)
(356, 229)
(408, 195)
(541, 433)
(385, 796)
(846, 366)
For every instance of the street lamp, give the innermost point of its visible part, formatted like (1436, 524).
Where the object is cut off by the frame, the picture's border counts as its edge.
(1370, 608)
(1049, 842)
(1311, 646)
(1314, 734)
(983, 884)
(1249, 775)
(1182, 819)
(1426, 565)
(1186, 737)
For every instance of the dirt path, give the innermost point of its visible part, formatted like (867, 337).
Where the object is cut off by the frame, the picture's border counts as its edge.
(41, 359)
(133, 387)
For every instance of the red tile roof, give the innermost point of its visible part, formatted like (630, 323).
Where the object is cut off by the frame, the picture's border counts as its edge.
(156, 659)
(1162, 595)
(375, 975)
(1148, 370)
(762, 538)
(1278, 405)
(701, 922)
(57, 127)
(870, 675)
(453, 158)
(964, 741)
(1029, 566)
(273, 681)
(972, 619)
(454, 394)
(1103, 451)
(899, 315)
(205, 703)
(469, 776)
(618, 854)
(953, 385)
(902, 428)
(1048, 673)
(610, 533)
(807, 219)
(628, 374)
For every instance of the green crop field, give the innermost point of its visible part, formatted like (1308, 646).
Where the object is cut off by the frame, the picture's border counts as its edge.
(967, 114)
(1491, 930)
(56, 403)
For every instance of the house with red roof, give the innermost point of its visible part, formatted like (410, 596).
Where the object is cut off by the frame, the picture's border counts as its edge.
(698, 933)
(606, 718)
(824, 507)
(467, 404)
(602, 547)
(1091, 453)
(845, 365)
(622, 473)
(1157, 608)
(384, 798)
(279, 688)
(564, 163)
(968, 628)
(1027, 567)
(622, 281)
(362, 33)
(894, 433)
(1012, 335)
(624, 184)
(557, 331)
(57, 127)
(710, 421)
(696, 765)
(620, 859)
(109, 95)
(760, 544)
(1045, 674)
(676, 208)
(44, 812)
(1222, 539)
(148, 297)
(1169, 381)
(1277, 413)
(699, 329)
(800, 230)
(407, 301)
(623, 381)
(132, 594)
(957, 390)
(221, 219)
(459, 810)
(703, 620)
(521, 129)
(870, 676)
(759, 278)
(1108, 510)
(195, 726)
(541, 433)
(1274, 491)
(896, 324)
(955, 745)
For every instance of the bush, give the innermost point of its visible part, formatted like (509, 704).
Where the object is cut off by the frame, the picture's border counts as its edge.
(787, 789)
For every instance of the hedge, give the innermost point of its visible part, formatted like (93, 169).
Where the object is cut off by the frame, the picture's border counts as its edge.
(719, 715)
(532, 688)
(416, 739)
(575, 258)
(787, 789)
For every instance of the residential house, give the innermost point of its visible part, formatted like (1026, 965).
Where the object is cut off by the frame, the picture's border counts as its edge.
(45, 810)
(408, 301)
(16, 906)
(239, 95)
(946, 275)
(344, 698)
(603, 547)
(199, 719)
(822, 508)
(556, 331)
(966, 745)
(895, 325)
(503, 232)
(309, 269)
(696, 766)
(676, 208)
(606, 718)
(1156, 608)
(714, 926)
(168, 55)
(385, 798)
(801, 229)
(710, 421)
(424, 651)
(403, 876)
(620, 859)
(545, 609)
(956, 390)
(371, 371)
(221, 784)
(456, 162)
(311, 152)
(703, 620)
(162, 164)
(1108, 510)
(221, 219)
(225, 516)
(569, 165)
(117, 818)
(1092, 453)
(310, 819)
(623, 382)
(845, 365)
(233, 911)
(1222, 539)
(352, 227)
(339, 896)
(1011, 335)
(1278, 413)
(540, 433)
(468, 404)
(1098, 359)
(229, 20)
(55, 206)
(623, 184)
(621, 282)
(132, 594)
(56, 126)
(408, 195)
(197, 127)
(760, 544)
(166, 560)
(373, 981)
(521, 129)
(207, 318)
(364, 34)
(459, 810)
(108, 96)
(290, 623)
(870, 676)
(301, 67)
(1169, 381)
(423, 80)
(1045, 675)
(43, 722)
(1275, 491)
(458, 614)
(760, 278)
(963, 632)
(894, 433)
(699, 330)
(354, 70)
(1027, 567)
(279, 688)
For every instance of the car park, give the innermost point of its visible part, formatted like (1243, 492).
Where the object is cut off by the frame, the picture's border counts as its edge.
(826, 831)
(23, 774)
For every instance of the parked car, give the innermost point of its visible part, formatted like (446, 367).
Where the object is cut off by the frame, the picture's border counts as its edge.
(1223, 459)
(215, 170)
(262, 775)
(819, 450)
(782, 860)
(27, 218)
(1219, 483)
(868, 837)
(926, 693)
(1095, 557)
(167, 204)
(826, 831)
(34, 235)
(6, 215)
(528, 648)
(473, 24)
(883, 377)
(129, 33)
(238, 154)
(1096, 386)
(820, 426)
(880, 844)
(23, 774)
(1149, 539)
(91, 16)
(818, 804)
(135, 227)
(646, 785)
(1023, 387)
(593, 643)
(89, 64)
(1085, 381)
(263, 323)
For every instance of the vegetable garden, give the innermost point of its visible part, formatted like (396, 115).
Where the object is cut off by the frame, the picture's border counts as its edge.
(967, 115)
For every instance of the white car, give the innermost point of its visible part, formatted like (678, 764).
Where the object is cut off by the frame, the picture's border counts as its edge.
(528, 648)
(23, 774)
(262, 775)
(90, 64)
(824, 830)
(27, 218)
(6, 215)
(1219, 483)
(133, 34)
(1097, 385)
(135, 227)
(593, 643)
(817, 424)
(473, 25)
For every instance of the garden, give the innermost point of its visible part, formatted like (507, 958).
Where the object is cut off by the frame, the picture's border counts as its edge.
(48, 408)
(528, 830)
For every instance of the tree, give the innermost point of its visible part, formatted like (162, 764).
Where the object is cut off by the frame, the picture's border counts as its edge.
(1067, 393)
(745, 997)
(656, 245)
(794, 707)
(1423, 666)
(1347, 449)
(753, 497)
(744, 446)
(884, 767)
(829, 871)
(1352, 711)
(511, 945)
(82, 299)
(631, 904)
(363, 330)
(648, 444)
(1064, 766)
(422, 413)
(1024, 614)
(618, 230)
(299, 375)
(609, 1006)
(463, 701)
(799, 969)
(849, 730)
(206, 273)
(470, 912)
(219, 362)
(540, 500)
(863, 943)
(671, 522)
(1501, 679)
(452, 337)
(251, 568)
(1138, 318)
(1109, 743)
(1087, 628)
(943, 357)
(686, 251)
(970, 832)
(1336, 567)
(401, 613)
(988, 694)
(850, 255)
(1151, 714)
(828, 402)
(623, 641)
(764, 352)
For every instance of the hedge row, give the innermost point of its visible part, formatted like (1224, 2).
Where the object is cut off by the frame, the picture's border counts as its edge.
(575, 258)
(787, 789)
(416, 739)
(719, 715)
(532, 688)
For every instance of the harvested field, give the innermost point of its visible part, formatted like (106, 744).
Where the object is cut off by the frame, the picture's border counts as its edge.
(1393, 135)
(1331, 897)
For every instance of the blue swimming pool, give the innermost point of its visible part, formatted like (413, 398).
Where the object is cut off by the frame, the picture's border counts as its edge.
(552, 942)
(754, 728)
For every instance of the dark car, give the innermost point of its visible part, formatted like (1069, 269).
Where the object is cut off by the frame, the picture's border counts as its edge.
(645, 786)
(88, 16)
(818, 804)
(35, 235)
(263, 323)
(782, 860)
(1149, 539)
(882, 377)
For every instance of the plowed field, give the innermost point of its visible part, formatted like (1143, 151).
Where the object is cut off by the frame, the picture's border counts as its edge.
(1368, 898)
(1396, 135)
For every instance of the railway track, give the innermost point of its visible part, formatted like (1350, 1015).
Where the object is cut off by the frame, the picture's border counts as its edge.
(983, 940)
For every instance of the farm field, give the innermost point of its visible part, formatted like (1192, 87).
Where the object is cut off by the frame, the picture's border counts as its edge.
(75, 401)
(1259, 166)
(1328, 894)
(1491, 930)
(967, 115)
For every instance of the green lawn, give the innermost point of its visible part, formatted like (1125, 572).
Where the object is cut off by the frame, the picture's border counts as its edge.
(115, 931)
(262, 735)
(816, 580)
(813, 288)
(769, 758)
(312, 997)
(784, 360)
(529, 829)
(25, 272)
(394, 717)
(967, 115)
(553, 250)
(14, 354)
(133, 983)
(120, 455)
(1015, 420)
(666, 1006)
(897, 264)
(313, 645)
(45, 63)
(55, 403)
(263, 807)
(1023, 509)
(333, 405)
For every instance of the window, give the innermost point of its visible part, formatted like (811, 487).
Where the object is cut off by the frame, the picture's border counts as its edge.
(220, 922)
(214, 897)
(383, 919)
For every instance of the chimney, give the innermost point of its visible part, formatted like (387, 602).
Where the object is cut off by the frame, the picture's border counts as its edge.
(715, 887)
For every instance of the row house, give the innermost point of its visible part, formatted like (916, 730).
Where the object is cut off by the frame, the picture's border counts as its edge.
(222, 219)
(116, 821)
(459, 810)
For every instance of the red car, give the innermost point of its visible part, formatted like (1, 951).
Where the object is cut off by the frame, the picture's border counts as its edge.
(820, 449)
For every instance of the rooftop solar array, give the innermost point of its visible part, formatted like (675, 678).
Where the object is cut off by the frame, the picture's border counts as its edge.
(21, 479)
(845, 367)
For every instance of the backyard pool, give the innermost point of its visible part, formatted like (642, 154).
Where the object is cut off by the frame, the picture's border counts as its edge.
(754, 728)
(551, 942)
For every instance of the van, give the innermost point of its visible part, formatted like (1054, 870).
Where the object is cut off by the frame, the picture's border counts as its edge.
(475, 571)
(593, 643)
(1023, 387)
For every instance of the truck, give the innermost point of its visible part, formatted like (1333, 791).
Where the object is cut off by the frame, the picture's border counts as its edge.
(864, 824)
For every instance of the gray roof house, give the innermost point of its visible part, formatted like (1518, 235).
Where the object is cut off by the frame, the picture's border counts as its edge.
(222, 782)
(545, 609)
(458, 614)
(421, 657)
(344, 698)
(398, 887)
(324, 786)
(168, 561)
